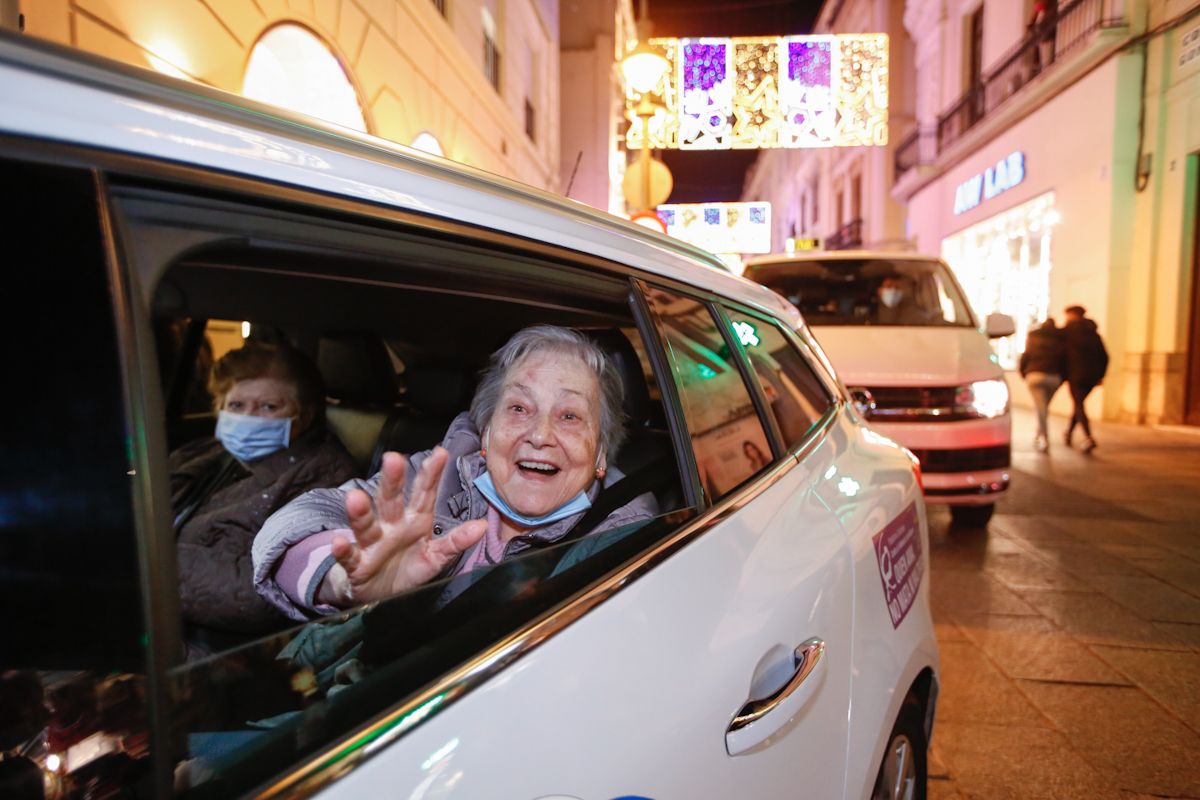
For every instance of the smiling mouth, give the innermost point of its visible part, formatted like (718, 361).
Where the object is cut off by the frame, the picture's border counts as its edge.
(537, 468)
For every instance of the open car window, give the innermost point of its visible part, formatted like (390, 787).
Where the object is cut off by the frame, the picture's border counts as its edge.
(399, 327)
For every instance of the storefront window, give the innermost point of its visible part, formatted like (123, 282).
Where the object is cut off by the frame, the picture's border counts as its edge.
(1003, 264)
(292, 68)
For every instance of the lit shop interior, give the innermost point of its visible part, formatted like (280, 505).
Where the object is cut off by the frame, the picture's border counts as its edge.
(1003, 264)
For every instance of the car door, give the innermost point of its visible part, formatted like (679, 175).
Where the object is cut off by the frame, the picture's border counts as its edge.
(639, 696)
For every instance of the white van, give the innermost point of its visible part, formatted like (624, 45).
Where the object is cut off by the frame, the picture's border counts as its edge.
(767, 629)
(905, 341)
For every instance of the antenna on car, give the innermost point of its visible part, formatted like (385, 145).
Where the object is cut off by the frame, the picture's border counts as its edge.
(574, 169)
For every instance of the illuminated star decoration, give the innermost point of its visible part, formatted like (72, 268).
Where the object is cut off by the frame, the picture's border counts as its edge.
(767, 92)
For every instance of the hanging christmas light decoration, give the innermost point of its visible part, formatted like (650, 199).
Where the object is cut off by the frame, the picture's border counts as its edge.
(720, 227)
(769, 92)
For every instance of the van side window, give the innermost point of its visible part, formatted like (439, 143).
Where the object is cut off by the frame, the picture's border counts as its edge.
(795, 394)
(72, 663)
(727, 434)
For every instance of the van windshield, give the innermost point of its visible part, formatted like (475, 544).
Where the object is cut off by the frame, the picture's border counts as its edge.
(868, 291)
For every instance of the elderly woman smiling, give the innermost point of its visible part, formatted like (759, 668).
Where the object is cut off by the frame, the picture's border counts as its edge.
(526, 462)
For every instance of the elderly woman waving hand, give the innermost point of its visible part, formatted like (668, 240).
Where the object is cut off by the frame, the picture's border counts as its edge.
(519, 469)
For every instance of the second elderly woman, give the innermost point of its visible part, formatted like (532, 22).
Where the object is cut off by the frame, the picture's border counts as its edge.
(525, 463)
(270, 446)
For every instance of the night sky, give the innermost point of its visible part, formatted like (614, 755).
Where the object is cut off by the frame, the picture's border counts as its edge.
(717, 175)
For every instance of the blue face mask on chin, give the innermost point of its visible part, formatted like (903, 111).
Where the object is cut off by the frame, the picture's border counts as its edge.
(577, 505)
(250, 438)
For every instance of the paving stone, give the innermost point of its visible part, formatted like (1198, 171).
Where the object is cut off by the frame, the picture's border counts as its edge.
(998, 762)
(1149, 598)
(959, 592)
(1025, 571)
(1182, 573)
(1094, 618)
(1123, 734)
(974, 690)
(947, 631)
(1183, 632)
(971, 550)
(1031, 529)
(943, 790)
(1133, 551)
(1033, 648)
(1173, 679)
(1082, 559)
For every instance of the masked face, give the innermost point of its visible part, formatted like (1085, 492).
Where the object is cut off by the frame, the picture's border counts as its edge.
(543, 440)
(890, 296)
(258, 417)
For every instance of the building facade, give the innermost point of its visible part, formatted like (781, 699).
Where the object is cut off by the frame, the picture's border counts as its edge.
(474, 80)
(830, 197)
(1051, 158)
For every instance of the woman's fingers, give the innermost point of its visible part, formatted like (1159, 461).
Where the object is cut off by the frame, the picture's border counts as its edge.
(389, 497)
(423, 494)
(444, 549)
(346, 553)
(362, 518)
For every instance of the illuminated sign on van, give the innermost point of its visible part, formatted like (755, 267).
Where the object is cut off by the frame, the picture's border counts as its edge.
(1004, 175)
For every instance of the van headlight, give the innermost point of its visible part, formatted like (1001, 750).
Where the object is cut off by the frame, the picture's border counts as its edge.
(983, 398)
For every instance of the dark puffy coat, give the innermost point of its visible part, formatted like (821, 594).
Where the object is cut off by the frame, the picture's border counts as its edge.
(1087, 359)
(215, 571)
(1045, 351)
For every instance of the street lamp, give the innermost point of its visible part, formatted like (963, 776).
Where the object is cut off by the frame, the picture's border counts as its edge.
(643, 68)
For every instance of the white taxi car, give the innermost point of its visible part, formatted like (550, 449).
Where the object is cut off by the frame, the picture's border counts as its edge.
(904, 339)
(768, 633)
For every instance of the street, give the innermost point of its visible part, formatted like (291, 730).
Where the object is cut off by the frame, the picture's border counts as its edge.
(1070, 632)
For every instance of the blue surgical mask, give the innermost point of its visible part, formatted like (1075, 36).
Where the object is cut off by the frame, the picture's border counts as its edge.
(891, 297)
(577, 505)
(249, 438)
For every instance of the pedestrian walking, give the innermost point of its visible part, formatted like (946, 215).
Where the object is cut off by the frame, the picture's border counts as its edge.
(1043, 366)
(1087, 361)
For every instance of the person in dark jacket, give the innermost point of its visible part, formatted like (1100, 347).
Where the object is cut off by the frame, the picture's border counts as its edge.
(1087, 361)
(1043, 366)
(271, 445)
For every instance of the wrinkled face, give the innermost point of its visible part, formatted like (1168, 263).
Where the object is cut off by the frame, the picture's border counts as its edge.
(265, 397)
(543, 440)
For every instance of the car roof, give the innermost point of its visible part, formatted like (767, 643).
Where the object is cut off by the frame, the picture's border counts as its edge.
(55, 93)
(838, 255)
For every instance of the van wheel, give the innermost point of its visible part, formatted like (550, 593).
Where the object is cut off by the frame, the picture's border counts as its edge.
(972, 516)
(903, 773)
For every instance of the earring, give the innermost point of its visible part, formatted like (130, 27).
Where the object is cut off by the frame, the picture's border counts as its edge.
(486, 436)
(600, 473)
(483, 452)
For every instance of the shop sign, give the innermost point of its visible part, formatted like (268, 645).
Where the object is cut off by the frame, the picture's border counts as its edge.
(1189, 46)
(1004, 175)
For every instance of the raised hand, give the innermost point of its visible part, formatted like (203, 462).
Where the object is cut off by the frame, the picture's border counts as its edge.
(395, 549)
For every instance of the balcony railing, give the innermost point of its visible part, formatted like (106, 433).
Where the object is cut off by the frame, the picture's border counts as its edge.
(845, 237)
(919, 147)
(1036, 53)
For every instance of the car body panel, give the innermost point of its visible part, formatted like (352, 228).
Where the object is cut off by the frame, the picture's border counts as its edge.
(907, 356)
(636, 698)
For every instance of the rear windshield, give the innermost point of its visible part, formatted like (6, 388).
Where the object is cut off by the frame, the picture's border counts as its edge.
(868, 291)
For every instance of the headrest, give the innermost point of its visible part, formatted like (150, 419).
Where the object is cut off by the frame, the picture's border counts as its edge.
(442, 391)
(357, 369)
(636, 402)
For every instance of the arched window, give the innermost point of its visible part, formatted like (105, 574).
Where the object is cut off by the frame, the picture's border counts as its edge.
(428, 143)
(290, 67)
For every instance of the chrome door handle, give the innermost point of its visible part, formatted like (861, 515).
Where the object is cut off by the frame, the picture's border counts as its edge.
(743, 733)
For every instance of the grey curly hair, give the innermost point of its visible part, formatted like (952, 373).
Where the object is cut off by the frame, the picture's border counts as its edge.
(553, 338)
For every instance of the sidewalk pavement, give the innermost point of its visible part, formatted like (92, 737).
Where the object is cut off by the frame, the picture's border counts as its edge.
(1070, 629)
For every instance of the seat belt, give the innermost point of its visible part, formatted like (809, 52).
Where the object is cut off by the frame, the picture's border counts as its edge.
(218, 479)
(650, 478)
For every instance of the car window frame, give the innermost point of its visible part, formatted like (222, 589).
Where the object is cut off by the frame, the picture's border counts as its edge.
(142, 382)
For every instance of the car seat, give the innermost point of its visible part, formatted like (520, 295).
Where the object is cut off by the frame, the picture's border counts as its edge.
(361, 390)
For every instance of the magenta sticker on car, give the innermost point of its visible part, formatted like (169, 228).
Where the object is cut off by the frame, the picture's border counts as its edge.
(898, 551)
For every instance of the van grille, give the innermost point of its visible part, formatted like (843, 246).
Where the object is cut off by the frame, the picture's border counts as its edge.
(916, 404)
(969, 459)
